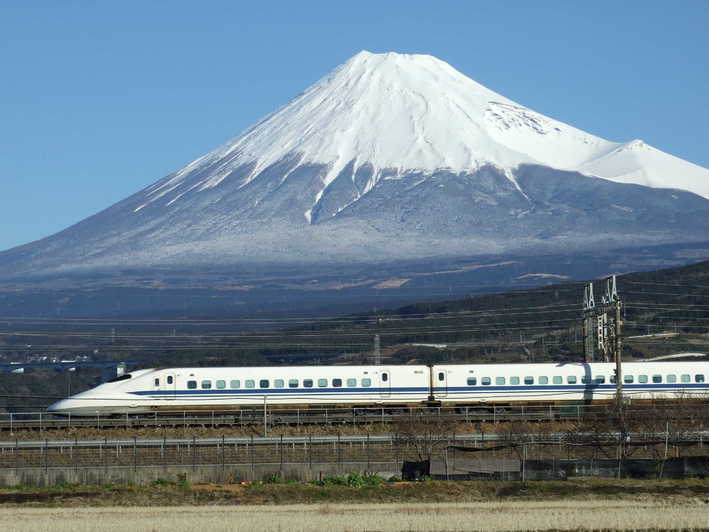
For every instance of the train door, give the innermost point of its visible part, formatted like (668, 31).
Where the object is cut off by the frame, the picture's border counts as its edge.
(169, 385)
(441, 383)
(384, 384)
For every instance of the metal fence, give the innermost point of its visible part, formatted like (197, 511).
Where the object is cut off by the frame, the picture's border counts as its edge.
(365, 449)
(271, 417)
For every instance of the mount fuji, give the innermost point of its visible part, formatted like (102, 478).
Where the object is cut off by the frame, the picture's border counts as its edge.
(389, 157)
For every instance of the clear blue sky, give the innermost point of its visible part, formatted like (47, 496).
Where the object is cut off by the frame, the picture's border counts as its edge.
(99, 99)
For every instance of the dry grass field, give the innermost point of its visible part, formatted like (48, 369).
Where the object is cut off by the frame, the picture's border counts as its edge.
(573, 515)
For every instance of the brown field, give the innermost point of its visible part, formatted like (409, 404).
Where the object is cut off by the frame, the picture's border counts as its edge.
(573, 515)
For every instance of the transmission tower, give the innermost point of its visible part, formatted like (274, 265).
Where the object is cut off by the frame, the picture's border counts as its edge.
(602, 324)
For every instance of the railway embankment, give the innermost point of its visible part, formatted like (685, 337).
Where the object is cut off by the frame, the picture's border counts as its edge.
(493, 456)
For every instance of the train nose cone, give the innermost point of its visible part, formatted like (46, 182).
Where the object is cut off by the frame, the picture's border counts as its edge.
(60, 407)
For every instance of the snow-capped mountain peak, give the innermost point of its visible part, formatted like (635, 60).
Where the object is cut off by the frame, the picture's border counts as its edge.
(391, 156)
(404, 112)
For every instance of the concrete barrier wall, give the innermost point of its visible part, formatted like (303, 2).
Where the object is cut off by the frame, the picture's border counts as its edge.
(200, 474)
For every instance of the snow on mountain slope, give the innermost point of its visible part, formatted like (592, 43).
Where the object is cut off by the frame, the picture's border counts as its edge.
(636, 162)
(389, 157)
(399, 112)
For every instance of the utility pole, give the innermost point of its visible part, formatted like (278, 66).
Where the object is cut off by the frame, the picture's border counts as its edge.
(589, 311)
(613, 342)
(618, 351)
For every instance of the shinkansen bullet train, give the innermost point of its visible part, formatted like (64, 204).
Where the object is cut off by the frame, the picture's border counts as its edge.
(150, 390)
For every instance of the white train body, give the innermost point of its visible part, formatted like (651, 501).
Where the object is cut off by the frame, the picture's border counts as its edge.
(462, 384)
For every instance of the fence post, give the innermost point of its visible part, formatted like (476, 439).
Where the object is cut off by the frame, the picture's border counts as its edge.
(194, 452)
(252, 457)
(40, 422)
(310, 452)
(135, 454)
(46, 459)
(280, 448)
(339, 458)
(223, 460)
(445, 460)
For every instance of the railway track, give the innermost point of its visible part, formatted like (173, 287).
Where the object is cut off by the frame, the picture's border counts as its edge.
(40, 421)
(552, 438)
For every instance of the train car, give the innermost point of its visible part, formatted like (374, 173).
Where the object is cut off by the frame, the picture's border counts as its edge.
(545, 383)
(151, 390)
(173, 389)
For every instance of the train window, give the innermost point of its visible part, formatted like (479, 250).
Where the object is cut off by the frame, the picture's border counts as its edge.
(699, 377)
(157, 382)
(191, 385)
(557, 379)
(657, 379)
(263, 383)
(500, 381)
(322, 383)
(529, 380)
(307, 383)
(672, 378)
(543, 380)
(279, 383)
(385, 377)
(441, 376)
(366, 383)
(628, 379)
(586, 380)
(221, 384)
(206, 385)
(235, 384)
(485, 381)
(337, 383)
(249, 383)
(600, 379)
(514, 380)
(170, 379)
(642, 379)
(351, 383)
(293, 383)
(472, 381)
(686, 378)
(571, 379)
(613, 379)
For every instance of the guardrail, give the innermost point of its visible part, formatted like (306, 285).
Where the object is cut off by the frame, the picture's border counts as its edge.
(551, 438)
(299, 416)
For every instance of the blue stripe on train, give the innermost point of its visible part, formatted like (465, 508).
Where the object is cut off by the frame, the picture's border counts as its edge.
(276, 391)
(572, 387)
(473, 390)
